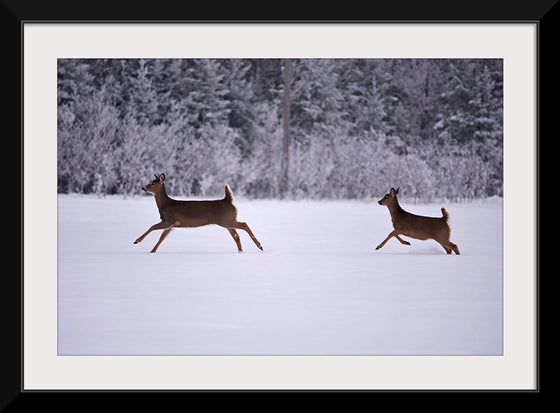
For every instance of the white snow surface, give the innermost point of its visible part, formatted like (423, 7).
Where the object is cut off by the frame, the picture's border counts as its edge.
(318, 288)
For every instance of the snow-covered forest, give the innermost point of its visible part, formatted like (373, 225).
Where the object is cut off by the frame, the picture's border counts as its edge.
(282, 128)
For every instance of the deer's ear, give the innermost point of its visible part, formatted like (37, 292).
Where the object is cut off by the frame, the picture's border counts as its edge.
(397, 190)
(392, 191)
(162, 177)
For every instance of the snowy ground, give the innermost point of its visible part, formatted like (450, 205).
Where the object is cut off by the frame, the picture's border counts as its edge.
(319, 287)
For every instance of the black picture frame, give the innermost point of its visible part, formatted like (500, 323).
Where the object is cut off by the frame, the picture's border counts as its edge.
(14, 13)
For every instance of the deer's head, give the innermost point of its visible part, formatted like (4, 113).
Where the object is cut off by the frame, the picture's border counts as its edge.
(389, 198)
(156, 185)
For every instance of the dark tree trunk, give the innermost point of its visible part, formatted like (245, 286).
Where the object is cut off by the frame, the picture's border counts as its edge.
(285, 162)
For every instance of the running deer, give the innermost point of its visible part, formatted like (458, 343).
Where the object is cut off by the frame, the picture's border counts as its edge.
(416, 226)
(174, 213)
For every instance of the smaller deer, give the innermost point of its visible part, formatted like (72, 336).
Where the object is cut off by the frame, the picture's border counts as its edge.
(416, 226)
(175, 213)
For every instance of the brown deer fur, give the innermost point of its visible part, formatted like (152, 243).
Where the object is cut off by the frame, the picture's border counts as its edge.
(416, 226)
(175, 213)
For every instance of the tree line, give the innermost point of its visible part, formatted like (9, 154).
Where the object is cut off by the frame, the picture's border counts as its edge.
(282, 128)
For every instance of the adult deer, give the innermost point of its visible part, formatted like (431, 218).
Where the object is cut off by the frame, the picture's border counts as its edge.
(175, 213)
(416, 226)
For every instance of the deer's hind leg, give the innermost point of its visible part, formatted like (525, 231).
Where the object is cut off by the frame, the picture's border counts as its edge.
(245, 227)
(448, 246)
(454, 247)
(236, 238)
(447, 250)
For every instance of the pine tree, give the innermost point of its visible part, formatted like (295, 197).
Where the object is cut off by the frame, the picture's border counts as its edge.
(205, 93)
(362, 94)
(143, 96)
(242, 115)
(317, 101)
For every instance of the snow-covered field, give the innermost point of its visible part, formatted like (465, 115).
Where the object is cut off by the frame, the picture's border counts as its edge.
(319, 287)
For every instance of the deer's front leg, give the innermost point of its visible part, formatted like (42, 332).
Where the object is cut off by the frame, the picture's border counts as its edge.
(160, 225)
(402, 240)
(163, 235)
(393, 233)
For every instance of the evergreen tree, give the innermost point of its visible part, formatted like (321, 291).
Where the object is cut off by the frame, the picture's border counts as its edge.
(355, 126)
(242, 114)
(143, 96)
(205, 93)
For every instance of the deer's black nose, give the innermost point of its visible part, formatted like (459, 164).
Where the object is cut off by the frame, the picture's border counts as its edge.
(144, 189)
(379, 202)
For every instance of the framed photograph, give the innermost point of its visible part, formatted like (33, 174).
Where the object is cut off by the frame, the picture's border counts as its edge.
(308, 132)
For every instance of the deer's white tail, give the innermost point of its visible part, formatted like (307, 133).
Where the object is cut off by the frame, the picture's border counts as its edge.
(229, 194)
(445, 214)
